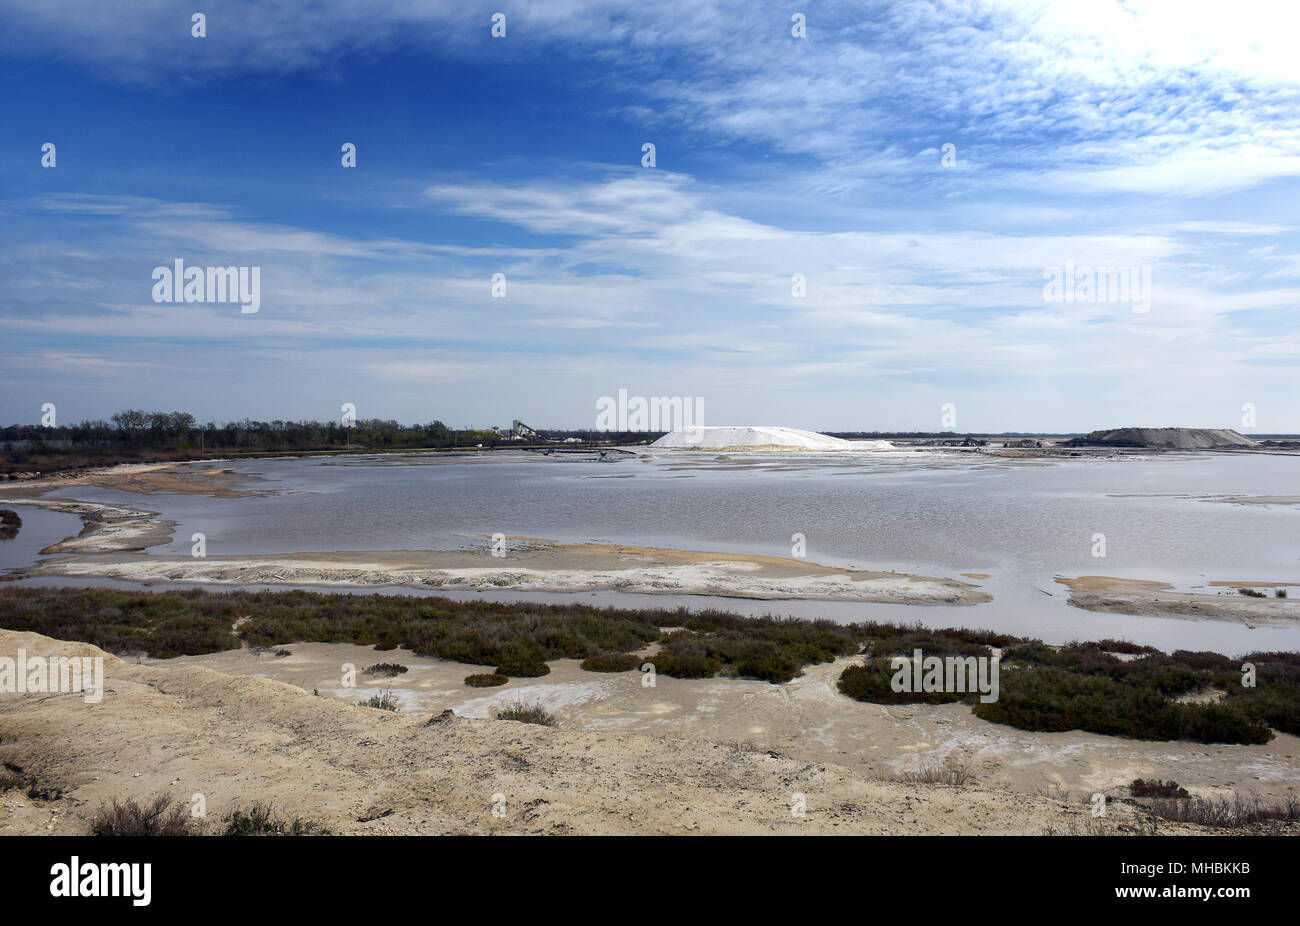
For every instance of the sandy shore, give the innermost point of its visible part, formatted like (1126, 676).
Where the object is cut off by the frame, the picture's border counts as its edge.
(118, 528)
(142, 478)
(187, 730)
(1159, 599)
(105, 528)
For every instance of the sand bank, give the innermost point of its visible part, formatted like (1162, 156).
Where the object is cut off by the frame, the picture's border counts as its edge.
(1160, 599)
(105, 528)
(538, 566)
(141, 478)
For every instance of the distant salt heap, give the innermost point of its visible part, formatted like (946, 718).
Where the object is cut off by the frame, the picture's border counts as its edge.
(768, 438)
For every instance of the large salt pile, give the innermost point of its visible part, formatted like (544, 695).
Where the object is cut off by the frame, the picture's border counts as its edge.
(764, 438)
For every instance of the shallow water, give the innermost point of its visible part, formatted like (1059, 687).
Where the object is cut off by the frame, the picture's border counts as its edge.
(929, 513)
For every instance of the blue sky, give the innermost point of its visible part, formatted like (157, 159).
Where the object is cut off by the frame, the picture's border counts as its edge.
(1160, 135)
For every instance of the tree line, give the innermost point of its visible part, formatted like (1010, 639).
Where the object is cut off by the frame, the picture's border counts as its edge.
(134, 429)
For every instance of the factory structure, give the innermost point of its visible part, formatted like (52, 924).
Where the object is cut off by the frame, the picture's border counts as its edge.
(518, 431)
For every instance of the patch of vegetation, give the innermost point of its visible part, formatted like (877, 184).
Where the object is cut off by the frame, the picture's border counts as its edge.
(485, 680)
(897, 640)
(767, 648)
(385, 669)
(527, 713)
(1228, 812)
(177, 623)
(1086, 686)
(1251, 593)
(523, 662)
(10, 777)
(1100, 826)
(611, 662)
(384, 701)
(9, 524)
(1124, 646)
(953, 772)
(1156, 788)
(1056, 699)
(872, 680)
(1080, 686)
(262, 820)
(163, 816)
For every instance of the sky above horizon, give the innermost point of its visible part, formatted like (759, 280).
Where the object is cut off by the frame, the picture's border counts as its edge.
(1158, 138)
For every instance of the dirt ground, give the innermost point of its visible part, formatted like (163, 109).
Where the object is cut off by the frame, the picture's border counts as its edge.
(190, 731)
(807, 718)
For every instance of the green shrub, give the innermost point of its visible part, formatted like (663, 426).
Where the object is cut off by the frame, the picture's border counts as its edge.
(485, 680)
(386, 669)
(872, 682)
(526, 713)
(611, 662)
(523, 664)
(1156, 788)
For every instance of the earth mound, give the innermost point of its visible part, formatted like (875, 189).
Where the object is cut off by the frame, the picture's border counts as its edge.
(1165, 438)
(761, 438)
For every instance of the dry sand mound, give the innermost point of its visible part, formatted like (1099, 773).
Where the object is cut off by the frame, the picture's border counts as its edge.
(761, 438)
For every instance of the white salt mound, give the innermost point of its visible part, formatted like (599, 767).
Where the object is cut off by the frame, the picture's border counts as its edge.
(764, 438)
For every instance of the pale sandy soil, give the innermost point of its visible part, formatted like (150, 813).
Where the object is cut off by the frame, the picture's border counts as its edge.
(187, 730)
(1159, 599)
(807, 718)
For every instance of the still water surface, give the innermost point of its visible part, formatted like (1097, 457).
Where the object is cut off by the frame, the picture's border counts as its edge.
(938, 514)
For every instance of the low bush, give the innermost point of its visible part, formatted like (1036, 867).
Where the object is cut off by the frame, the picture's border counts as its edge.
(1227, 812)
(953, 772)
(1155, 788)
(526, 713)
(872, 681)
(611, 662)
(261, 820)
(384, 701)
(485, 680)
(522, 665)
(385, 669)
(163, 816)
